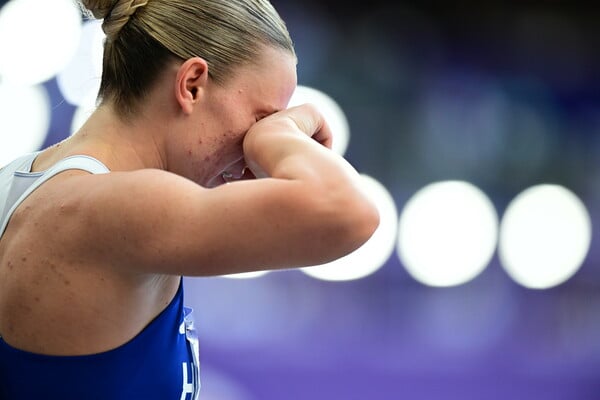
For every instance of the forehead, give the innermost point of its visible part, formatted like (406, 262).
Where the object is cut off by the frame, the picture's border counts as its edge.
(269, 82)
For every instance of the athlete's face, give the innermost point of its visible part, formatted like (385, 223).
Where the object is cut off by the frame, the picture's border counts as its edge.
(232, 108)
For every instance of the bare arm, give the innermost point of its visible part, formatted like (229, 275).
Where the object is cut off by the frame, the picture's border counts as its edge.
(308, 209)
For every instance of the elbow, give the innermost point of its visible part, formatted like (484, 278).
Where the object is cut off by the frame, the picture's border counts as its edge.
(335, 223)
(356, 220)
(364, 221)
(371, 221)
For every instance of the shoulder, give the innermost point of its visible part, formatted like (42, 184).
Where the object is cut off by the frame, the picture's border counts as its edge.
(81, 184)
(137, 194)
(105, 219)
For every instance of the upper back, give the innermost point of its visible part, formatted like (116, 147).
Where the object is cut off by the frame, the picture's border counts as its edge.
(50, 303)
(80, 320)
(32, 280)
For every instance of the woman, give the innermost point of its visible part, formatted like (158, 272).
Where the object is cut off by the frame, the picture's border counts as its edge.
(97, 231)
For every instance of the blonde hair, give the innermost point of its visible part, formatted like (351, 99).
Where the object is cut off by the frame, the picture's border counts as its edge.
(143, 36)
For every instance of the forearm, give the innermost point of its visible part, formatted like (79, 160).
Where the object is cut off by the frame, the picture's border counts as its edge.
(298, 157)
(295, 145)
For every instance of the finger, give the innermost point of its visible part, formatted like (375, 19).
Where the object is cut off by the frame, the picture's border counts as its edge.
(310, 121)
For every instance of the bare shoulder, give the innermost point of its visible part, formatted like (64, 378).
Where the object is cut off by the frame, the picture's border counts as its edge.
(78, 191)
(76, 213)
(155, 222)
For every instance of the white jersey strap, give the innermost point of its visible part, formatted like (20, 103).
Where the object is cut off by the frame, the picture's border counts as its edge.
(81, 162)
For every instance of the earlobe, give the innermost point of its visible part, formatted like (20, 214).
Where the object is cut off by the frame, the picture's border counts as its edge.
(190, 82)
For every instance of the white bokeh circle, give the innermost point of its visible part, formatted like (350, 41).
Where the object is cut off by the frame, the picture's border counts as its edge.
(25, 119)
(37, 39)
(545, 235)
(447, 233)
(83, 73)
(246, 275)
(86, 108)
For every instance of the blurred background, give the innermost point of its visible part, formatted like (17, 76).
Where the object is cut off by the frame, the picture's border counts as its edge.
(476, 127)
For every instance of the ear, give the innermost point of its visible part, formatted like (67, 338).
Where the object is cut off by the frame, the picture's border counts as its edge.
(190, 83)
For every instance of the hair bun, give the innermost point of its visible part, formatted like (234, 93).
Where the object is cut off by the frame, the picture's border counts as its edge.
(98, 9)
(116, 13)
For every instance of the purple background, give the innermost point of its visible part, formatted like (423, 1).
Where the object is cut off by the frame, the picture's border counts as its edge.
(502, 94)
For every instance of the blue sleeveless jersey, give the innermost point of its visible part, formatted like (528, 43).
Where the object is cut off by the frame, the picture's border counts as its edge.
(160, 363)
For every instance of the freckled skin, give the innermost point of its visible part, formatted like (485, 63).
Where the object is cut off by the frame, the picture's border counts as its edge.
(93, 259)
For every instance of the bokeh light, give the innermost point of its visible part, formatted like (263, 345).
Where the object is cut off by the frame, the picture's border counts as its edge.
(37, 38)
(82, 74)
(447, 233)
(246, 275)
(503, 96)
(25, 119)
(83, 111)
(372, 255)
(545, 235)
(332, 112)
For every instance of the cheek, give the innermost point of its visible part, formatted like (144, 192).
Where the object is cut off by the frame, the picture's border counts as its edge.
(227, 147)
(229, 128)
(233, 138)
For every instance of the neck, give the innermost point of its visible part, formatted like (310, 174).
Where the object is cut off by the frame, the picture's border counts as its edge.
(122, 145)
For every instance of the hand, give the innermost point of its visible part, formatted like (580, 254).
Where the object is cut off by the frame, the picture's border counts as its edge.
(310, 121)
(281, 134)
(307, 120)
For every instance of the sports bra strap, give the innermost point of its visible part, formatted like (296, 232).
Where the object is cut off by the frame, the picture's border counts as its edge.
(81, 162)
